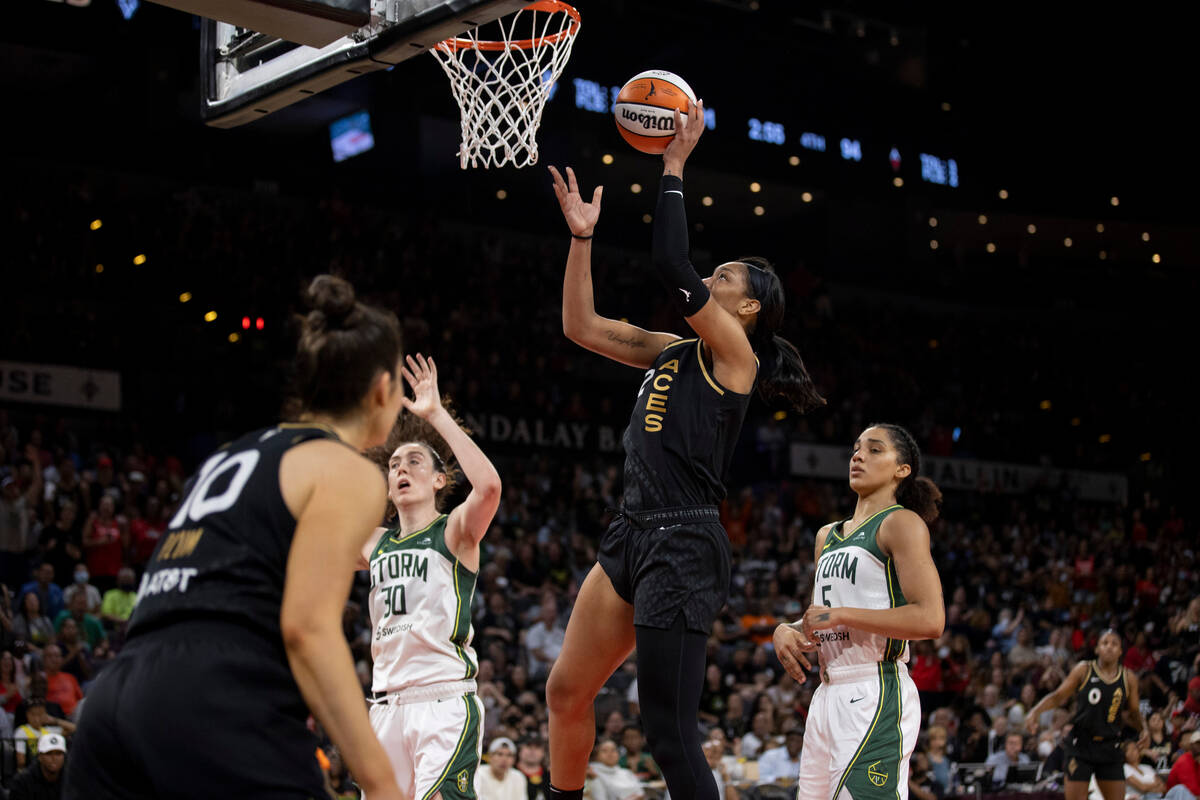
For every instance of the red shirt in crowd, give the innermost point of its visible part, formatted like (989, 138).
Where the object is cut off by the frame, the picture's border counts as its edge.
(1185, 772)
(145, 535)
(62, 688)
(104, 559)
(926, 673)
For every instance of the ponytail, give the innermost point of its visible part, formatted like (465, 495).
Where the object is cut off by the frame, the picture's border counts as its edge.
(916, 492)
(782, 374)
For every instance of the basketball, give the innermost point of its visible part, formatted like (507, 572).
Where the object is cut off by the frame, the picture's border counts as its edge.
(645, 109)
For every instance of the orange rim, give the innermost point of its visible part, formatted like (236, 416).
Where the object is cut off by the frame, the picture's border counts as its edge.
(549, 6)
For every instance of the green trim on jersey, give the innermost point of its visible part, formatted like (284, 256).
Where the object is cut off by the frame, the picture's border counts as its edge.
(389, 543)
(874, 772)
(457, 781)
(462, 615)
(869, 541)
(464, 579)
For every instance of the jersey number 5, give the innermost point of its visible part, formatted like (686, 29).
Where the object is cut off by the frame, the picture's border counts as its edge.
(202, 501)
(825, 595)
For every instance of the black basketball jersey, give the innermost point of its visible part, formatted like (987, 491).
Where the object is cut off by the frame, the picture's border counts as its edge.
(1098, 705)
(224, 553)
(682, 432)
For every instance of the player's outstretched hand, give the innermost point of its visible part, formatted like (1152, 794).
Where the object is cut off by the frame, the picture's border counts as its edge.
(790, 647)
(421, 375)
(687, 132)
(581, 217)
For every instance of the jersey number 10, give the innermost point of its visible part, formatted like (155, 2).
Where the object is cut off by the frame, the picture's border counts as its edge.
(199, 503)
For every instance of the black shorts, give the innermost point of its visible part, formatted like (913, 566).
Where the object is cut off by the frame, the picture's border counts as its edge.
(1104, 759)
(666, 561)
(199, 710)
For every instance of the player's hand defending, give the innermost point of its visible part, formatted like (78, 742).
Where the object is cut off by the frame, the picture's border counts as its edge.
(688, 128)
(1031, 723)
(581, 217)
(421, 375)
(790, 647)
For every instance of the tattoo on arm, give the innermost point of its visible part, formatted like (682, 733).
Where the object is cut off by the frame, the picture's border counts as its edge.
(631, 342)
(823, 617)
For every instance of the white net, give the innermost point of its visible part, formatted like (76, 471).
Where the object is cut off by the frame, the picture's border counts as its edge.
(502, 84)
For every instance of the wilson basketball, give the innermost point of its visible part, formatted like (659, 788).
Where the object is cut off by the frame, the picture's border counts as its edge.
(645, 109)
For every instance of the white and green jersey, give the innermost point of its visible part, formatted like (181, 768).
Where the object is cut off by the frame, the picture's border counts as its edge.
(420, 611)
(853, 572)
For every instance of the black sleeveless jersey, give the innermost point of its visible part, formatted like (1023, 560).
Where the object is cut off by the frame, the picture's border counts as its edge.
(682, 432)
(224, 553)
(1098, 706)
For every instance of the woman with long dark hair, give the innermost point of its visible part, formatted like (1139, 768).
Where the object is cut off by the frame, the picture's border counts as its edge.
(876, 587)
(664, 562)
(237, 633)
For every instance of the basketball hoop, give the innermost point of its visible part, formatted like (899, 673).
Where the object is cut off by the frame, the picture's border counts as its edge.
(502, 85)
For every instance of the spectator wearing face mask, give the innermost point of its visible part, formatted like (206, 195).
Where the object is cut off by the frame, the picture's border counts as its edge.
(80, 584)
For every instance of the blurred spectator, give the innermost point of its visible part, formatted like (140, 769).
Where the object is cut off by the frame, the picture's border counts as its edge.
(50, 596)
(76, 655)
(782, 764)
(61, 687)
(90, 626)
(531, 761)
(40, 781)
(79, 584)
(940, 767)
(759, 736)
(1183, 782)
(16, 503)
(105, 537)
(1011, 755)
(544, 640)
(32, 627)
(117, 605)
(497, 779)
(713, 754)
(634, 755)
(38, 723)
(1160, 748)
(10, 685)
(147, 529)
(62, 541)
(1141, 780)
(921, 784)
(607, 779)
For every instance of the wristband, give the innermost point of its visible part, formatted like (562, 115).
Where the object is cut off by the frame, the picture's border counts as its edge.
(581, 238)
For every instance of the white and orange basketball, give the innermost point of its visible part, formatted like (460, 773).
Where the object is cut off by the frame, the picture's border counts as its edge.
(645, 109)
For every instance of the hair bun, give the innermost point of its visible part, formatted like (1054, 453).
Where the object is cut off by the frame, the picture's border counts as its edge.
(330, 297)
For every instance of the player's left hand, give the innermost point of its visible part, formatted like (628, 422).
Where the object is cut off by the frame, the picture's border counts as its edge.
(1144, 738)
(688, 128)
(817, 618)
(421, 375)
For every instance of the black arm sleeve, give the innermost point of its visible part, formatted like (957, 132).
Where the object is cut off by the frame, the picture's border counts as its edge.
(670, 249)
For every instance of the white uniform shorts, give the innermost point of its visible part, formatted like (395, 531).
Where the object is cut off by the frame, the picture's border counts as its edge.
(862, 727)
(432, 735)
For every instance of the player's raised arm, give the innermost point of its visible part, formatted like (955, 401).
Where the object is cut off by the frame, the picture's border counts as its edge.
(617, 340)
(469, 521)
(719, 329)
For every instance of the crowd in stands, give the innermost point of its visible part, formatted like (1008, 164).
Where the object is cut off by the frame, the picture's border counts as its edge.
(1029, 581)
(1027, 590)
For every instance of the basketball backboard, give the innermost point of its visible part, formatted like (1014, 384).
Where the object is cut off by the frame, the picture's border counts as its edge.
(247, 73)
